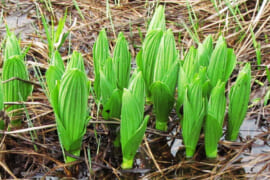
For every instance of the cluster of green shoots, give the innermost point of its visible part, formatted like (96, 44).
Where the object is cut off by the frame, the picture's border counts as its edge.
(201, 80)
(15, 86)
(203, 76)
(111, 73)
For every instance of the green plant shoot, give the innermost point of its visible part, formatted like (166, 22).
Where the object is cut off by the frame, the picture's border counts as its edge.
(122, 62)
(238, 102)
(101, 53)
(214, 119)
(70, 103)
(165, 77)
(112, 74)
(194, 112)
(133, 123)
(222, 63)
(14, 67)
(146, 59)
(158, 20)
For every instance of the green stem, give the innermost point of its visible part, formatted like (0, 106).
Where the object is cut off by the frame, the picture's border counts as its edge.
(127, 163)
(232, 136)
(161, 125)
(212, 154)
(69, 159)
(189, 152)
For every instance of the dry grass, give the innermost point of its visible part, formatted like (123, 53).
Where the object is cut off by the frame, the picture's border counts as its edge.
(249, 158)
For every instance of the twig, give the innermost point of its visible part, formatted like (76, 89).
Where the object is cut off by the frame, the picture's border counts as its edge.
(27, 129)
(23, 80)
(153, 158)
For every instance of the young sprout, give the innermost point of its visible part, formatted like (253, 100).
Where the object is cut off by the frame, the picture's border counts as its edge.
(186, 73)
(14, 67)
(165, 77)
(55, 71)
(205, 51)
(133, 125)
(146, 59)
(238, 102)
(12, 46)
(122, 62)
(69, 91)
(214, 119)
(194, 112)
(111, 74)
(158, 20)
(222, 63)
(110, 95)
(101, 53)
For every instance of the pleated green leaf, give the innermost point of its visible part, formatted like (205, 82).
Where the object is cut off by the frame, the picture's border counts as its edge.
(158, 20)
(1, 97)
(194, 112)
(76, 61)
(190, 65)
(214, 120)
(112, 108)
(217, 65)
(121, 61)
(187, 72)
(230, 64)
(55, 71)
(181, 88)
(163, 103)
(53, 74)
(166, 57)
(238, 102)
(205, 51)
(2, 121)
(70, 101)
(149, 54)
(15, 90)
(107, 81)
(139, 60)
(133, 125)
(170, 78)
(165, 77)
(101, 53)
(57, 61)
(12, 46)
